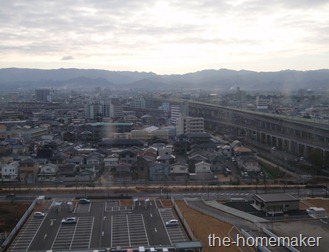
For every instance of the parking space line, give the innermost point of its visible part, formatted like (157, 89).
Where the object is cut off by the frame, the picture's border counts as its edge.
(24, 240)
(82, 237)
(111, 231)
(128, 230)
(175, 233)
(144, 231)
(160, 212)
(64, 236)
(75, 229)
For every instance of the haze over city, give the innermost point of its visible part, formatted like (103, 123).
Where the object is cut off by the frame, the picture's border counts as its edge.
(165, 37)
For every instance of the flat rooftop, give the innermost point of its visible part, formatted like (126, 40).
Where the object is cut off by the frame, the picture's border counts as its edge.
(275, 197)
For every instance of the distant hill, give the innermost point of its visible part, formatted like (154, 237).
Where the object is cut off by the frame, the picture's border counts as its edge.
(222, 79)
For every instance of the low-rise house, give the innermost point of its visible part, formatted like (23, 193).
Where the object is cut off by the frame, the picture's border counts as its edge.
(48, 172)
(59, 158)
(69, 136)
(32, 133)
(166, 159)
(159, 172)
(120, 143)
(28, 170)
(202, 167)
(217, 161)
(95, 159)
(140, 169)
(20, 149)
(86, 172)
(111, 162)
(127, 156)
(242, 151)
(122, 171)
(78, 160)
(165, 151)
(202, 171)
(151, 153)
(210, 147)
(275, 203)
(192, 160)
(181, 146)
(5, 148)
(179, 172)
(226, 150)
(9, 172)
(70, 151)
(67, 172)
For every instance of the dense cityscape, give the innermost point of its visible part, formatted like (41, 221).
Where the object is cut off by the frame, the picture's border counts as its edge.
(113, 143)
(164, 126)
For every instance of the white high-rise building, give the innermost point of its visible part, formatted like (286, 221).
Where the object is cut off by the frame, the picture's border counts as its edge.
(116, 109)
(92, 110)
(189, 124)
(178, 110)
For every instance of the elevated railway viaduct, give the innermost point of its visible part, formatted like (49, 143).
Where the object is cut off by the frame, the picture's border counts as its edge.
(295, 135)
(299, 136)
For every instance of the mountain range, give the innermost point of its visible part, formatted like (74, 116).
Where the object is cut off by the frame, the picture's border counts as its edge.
(222, 79)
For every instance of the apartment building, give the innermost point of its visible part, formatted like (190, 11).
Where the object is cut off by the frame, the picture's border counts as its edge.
(189, 124)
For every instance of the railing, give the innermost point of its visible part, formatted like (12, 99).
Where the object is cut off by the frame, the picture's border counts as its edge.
(18, 226)
(182, 218)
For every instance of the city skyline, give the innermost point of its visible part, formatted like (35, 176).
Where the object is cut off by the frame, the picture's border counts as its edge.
(165, 37)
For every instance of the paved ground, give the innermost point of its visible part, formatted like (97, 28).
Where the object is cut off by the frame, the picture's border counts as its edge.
(100, 224)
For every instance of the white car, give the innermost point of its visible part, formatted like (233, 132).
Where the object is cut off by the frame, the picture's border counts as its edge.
(69, 220)
(84, 201)
(39, 214)
(172, 222)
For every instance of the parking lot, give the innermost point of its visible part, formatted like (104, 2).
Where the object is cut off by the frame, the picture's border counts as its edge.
(100, 224)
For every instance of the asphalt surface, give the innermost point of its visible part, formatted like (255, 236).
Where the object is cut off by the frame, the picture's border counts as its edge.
(100, 224)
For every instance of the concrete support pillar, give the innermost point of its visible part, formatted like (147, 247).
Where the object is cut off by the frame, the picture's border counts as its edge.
(301, 149)
(274, 142)
(280, 144)
(289, 146)
(293, 147)
(325, 155)
(263, 138)
(258, 137)
(286, 145)
(268, 140)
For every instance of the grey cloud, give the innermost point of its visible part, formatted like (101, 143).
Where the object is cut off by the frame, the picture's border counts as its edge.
(125, 27)
(67, 58)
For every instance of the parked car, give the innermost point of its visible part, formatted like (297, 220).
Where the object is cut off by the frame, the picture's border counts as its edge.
(69, 220)
(39, 214)
(12, 195)
(172, 222)
(84, 201)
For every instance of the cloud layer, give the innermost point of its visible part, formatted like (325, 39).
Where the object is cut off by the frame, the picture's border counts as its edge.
(165, 36)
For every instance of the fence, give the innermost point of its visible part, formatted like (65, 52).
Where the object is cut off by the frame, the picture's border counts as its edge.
(182, 218)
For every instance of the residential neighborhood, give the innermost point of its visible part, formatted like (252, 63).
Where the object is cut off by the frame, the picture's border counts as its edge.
(59, 145)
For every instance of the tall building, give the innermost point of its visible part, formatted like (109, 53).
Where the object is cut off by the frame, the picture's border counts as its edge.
(178, 110)
(138, 102)
(92, 110)
(43, 95)
(116, 109)
(189, 124)
(106, 109)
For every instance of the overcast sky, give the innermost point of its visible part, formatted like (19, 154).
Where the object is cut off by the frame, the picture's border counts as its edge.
(165, 37)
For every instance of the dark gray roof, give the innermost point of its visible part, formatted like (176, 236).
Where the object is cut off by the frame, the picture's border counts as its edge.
(275, 197)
